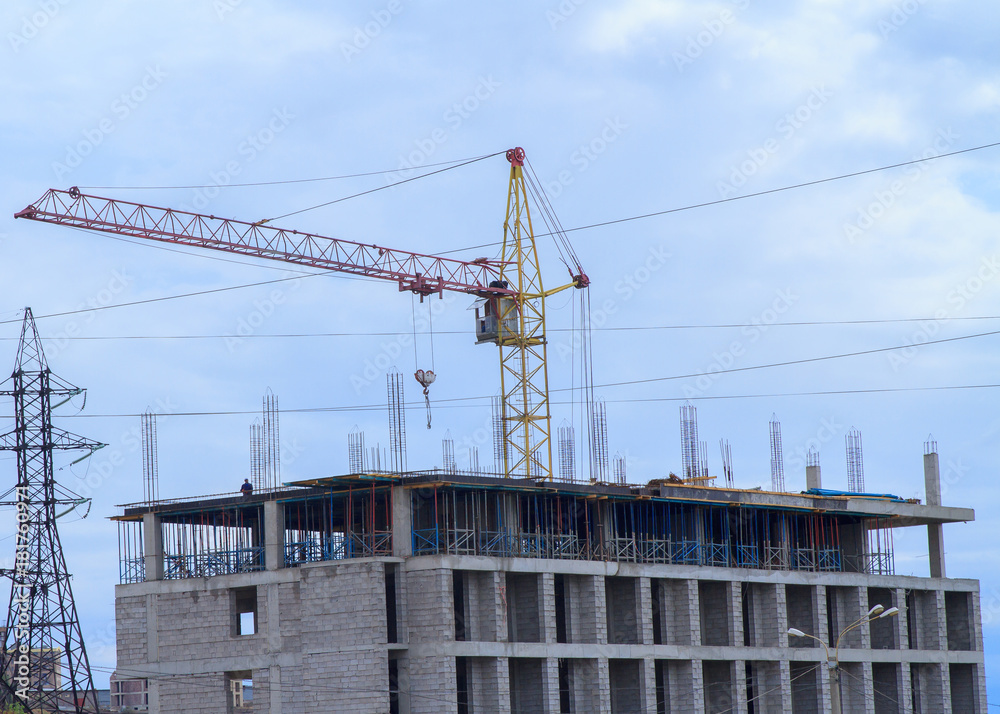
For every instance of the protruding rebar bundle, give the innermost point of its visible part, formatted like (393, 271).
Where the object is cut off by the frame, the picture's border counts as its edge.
(727, 462)
(777, 457)
(567, 452)
(272, 442)
(619, 464)
(356, 451)
(855, 462)
(150, 468)
(690, 462)
(599, 439)
(474, 460)
(812, 457)
(703, 459)
(499, 439)
(257, 454)
(930, 446)
(448, 453)
(397, 421)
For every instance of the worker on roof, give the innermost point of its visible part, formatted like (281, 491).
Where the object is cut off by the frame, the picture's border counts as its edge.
(247, 488)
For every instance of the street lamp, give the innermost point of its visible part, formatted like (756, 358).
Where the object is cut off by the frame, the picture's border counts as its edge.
(833, 663)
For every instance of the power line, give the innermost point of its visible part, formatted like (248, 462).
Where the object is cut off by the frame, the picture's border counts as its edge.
(166, 297)
(629, 328)
(382, 188)
(454, 402)
(269, 183)
(774, 190)
(731, 199)
(792, 362)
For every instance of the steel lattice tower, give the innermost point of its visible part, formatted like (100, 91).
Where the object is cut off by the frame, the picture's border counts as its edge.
(43, 648)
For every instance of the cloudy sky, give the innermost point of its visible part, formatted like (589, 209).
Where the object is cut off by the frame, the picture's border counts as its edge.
(624, 109)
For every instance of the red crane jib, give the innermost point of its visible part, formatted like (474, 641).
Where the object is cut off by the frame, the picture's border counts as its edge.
(414, 272)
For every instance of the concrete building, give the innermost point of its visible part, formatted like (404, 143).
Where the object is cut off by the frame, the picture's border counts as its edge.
(434, 592)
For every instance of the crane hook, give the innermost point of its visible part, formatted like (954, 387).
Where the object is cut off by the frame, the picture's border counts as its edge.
(426, 379)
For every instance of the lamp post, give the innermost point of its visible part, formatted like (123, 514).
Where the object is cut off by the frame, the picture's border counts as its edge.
(833, 663)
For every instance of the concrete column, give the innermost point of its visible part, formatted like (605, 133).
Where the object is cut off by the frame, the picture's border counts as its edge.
(942, 624)
(935, 531)
(272, 596)
(603, 703)
(274, 687)
(153, 695)
(274, 535)
(646, 612)
(152, 546)
(698, 683)
(813, 477)
(503, 684)
(904, 687)
(648, 675)
(946, 688)
(740, 705)
(550, 683)
(902, 631)
(736, 620)
(826, 678)
(402, 522)
(869, 681)
(865, 630)
(785, 675)
(820, 606)
(694, 618)
(152, 629)
(547, 613)
(781, 603)
(601, 619)
(501, 610)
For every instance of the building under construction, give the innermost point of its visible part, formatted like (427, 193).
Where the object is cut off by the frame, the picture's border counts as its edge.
(389, 590)
(443, 592)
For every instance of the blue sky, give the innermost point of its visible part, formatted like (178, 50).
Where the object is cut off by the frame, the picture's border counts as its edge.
(624, 109)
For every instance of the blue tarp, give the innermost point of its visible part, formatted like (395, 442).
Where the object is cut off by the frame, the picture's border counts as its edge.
(853, 494)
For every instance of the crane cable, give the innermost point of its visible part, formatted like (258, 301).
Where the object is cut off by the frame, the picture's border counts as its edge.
(424, 377)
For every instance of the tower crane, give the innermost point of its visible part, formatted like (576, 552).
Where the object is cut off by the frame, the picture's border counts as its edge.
(510, 310)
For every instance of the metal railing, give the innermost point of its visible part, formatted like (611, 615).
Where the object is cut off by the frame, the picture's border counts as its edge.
(222, 562)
